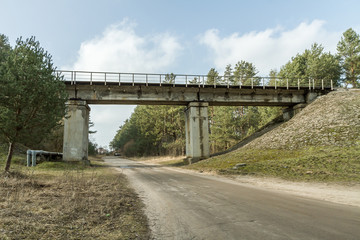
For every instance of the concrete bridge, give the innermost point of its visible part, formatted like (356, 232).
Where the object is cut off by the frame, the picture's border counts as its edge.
(192, 91)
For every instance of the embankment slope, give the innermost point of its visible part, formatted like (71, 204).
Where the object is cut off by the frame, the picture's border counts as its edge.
(321, 143)
(331, 120)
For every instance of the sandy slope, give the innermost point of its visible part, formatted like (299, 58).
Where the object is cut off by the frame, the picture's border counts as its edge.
(331, 120)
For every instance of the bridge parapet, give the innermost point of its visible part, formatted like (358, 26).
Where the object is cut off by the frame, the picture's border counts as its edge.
(111, 78)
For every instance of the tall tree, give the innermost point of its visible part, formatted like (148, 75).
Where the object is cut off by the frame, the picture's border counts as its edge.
(312, 64)
(152, 130)
(32, 97)
(349, 52)
(213, 77)
(244, 73)
(170, 78)
(5, 49)
(273, 74)
(228, 74)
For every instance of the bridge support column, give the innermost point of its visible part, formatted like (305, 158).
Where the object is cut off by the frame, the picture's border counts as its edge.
(197, 131)
(76, 131)
(289, 112)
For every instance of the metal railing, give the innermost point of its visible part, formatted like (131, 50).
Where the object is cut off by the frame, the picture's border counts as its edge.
(190, 80)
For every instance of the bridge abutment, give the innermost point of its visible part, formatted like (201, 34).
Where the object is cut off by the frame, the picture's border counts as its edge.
(289, 112)
(76, 130)
(197, 131)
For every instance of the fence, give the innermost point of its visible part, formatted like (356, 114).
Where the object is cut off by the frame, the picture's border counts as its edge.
(191, 80)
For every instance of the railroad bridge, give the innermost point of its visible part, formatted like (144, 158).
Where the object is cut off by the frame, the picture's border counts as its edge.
(195, 92)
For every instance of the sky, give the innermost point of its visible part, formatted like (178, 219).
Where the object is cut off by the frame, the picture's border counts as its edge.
(181, 37)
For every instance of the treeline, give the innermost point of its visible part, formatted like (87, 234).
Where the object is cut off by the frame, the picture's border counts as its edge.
(159, 130)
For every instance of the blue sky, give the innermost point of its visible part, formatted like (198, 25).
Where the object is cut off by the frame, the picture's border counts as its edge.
(174, 36)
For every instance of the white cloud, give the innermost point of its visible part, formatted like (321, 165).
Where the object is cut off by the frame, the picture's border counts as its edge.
(121, 49)
(268, 49)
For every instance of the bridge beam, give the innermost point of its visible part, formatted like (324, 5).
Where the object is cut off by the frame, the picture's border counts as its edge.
(76, 131)
(197, 131)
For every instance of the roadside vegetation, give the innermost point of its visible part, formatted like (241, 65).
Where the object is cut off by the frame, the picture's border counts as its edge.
(57, 200)
(32, 97)
(327, 164)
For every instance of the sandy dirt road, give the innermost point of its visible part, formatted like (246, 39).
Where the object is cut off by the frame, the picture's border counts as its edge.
(183, 205)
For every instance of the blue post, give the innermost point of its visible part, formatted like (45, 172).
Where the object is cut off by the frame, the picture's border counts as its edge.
(33, 158)
(28, 158)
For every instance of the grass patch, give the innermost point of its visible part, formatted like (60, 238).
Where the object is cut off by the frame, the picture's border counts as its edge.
(329, 164)
(57, 200)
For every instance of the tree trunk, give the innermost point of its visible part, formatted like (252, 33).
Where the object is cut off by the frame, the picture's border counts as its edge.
(9, 156)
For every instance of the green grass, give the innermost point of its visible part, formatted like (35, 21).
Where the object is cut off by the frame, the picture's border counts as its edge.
(328, 164)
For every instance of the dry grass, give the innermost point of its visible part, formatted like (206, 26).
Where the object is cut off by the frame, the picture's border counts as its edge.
(324, 164)
(70, 204)
(163, 160)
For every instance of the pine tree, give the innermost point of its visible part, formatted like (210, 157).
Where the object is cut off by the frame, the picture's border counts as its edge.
(349, 52)
(32, 97)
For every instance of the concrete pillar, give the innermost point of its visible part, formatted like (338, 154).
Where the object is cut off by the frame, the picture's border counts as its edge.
(76, 131)
(197, 131)
(288, 113)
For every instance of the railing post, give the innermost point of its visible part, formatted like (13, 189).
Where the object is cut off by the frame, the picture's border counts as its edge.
(186, 82)
(228, 82)
(322, 84)
(298, 84)
(263, 82)
(72, 77)
(214, 82)
(287, 83)
(204, 81)
(199, 81)
(275, 83)
(252, 83)
(147, 81)
(105, 78)
(91, 78)
(133, 79)
(119, 79)
(313, 81)
(160, 80)
(309, 84)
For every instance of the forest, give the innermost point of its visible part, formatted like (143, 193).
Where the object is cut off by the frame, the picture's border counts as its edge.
(159, 130)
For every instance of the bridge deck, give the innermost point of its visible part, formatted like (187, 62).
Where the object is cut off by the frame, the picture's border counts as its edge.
(94, 92)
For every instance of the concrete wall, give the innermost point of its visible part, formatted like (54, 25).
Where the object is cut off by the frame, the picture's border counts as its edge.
(197, 131)
(76, 131)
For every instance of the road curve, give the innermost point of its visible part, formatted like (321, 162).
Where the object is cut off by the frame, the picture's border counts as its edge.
(183, 205)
